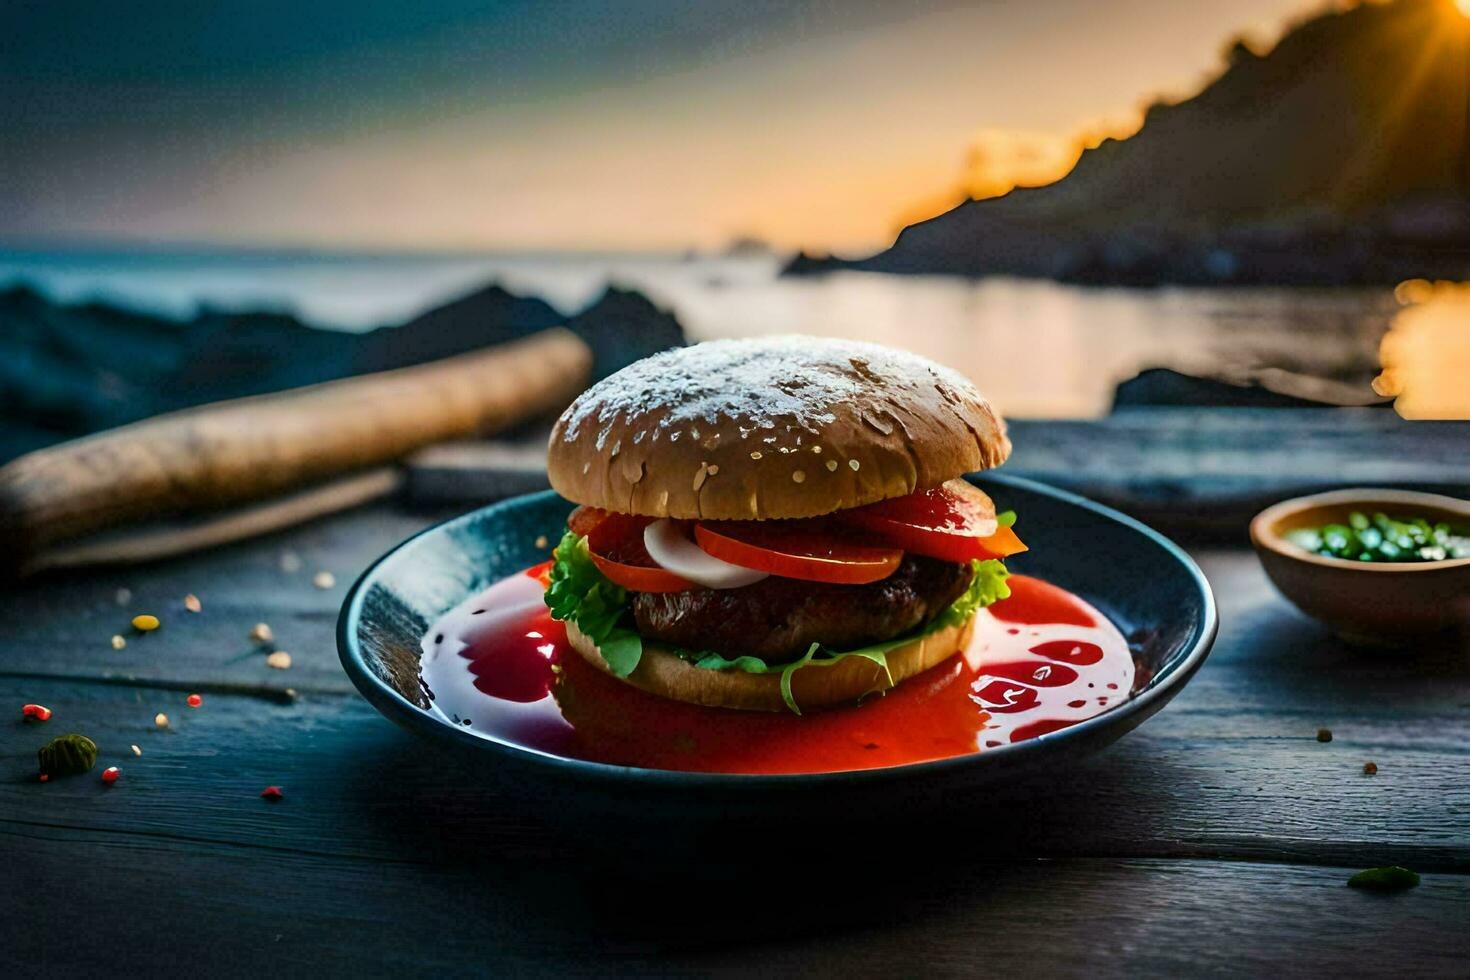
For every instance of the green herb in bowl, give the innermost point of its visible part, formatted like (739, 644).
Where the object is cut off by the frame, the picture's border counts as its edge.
(1380, 538)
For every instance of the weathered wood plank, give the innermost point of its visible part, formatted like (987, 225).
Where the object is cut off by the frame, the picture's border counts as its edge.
(381, 858)
(1210, 470)
(1231, 767)
(1190, 784)
(63, 624)
(136, 906)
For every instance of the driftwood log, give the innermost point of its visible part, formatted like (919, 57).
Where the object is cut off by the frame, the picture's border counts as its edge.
(237, 452)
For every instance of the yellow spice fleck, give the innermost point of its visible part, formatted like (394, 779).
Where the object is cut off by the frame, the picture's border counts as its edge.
(145, 623)
(756, 454)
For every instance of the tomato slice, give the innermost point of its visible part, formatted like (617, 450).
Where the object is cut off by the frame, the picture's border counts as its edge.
(813, 551)
(582, 520)
(616, 546)
(955, 521)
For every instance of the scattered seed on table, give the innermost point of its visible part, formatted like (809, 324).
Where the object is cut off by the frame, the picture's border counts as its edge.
(261, 633)
(541, 541)
(192, 603)
(324, 580)
(1370, 768)
(37, 711)
(161, 720)
(118, 642)
(136, 750)
(281, 660)
(144, 623)
(194, 700)
(1324, 734)
(290, 562)
(110, 774)
(123, 596)
(272, 793)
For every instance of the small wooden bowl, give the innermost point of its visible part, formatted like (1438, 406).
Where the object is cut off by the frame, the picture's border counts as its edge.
(1379, 603)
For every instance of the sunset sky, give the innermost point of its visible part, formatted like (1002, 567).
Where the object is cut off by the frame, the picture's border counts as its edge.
(572, 124)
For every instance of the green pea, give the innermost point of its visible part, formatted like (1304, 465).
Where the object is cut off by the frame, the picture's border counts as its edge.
(1382, 538)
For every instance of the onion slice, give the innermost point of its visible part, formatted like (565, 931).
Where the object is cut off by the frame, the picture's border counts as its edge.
(671, 548)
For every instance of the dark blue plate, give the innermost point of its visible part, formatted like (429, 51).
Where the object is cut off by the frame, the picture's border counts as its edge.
(1145, 583)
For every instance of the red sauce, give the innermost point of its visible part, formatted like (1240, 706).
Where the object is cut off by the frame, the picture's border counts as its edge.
(1040, 661)
(1041, 602)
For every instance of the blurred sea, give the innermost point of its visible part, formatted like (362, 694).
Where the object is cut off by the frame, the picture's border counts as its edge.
(1037, 348)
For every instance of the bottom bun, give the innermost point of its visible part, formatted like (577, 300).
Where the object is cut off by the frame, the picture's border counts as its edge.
(664, 673)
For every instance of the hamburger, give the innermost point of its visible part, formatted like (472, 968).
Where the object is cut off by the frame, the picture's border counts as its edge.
(776, 524)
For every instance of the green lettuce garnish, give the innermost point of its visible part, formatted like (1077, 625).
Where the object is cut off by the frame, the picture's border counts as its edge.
(580, 594)
(755, 665)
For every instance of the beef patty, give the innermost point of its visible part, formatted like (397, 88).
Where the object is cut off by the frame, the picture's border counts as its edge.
(777, 619)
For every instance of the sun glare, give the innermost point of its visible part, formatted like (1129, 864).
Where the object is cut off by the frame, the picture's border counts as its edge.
(1426, 352)
(1463, 6)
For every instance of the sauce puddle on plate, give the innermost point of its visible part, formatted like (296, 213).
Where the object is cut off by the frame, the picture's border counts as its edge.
(1042, 660)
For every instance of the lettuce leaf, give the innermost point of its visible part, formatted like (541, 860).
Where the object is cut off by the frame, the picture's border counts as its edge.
(580, 594)
(755, 665)
(986, 588)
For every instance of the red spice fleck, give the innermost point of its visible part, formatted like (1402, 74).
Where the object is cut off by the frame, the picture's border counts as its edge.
(272, 793)
(193, 700)
(44, 777)
(36, 711)
(110, 774)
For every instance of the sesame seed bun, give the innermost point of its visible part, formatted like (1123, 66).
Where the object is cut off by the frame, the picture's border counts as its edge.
(667, 675)
(779, 427)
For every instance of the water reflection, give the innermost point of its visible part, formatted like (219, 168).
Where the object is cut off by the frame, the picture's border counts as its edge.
(1037, 348)
(1043, 349)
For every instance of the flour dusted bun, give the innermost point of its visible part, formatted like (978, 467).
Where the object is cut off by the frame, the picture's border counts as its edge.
(777, 427)
(667, 675)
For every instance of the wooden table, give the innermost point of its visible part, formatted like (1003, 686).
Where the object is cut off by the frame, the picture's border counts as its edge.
(1216, 839)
